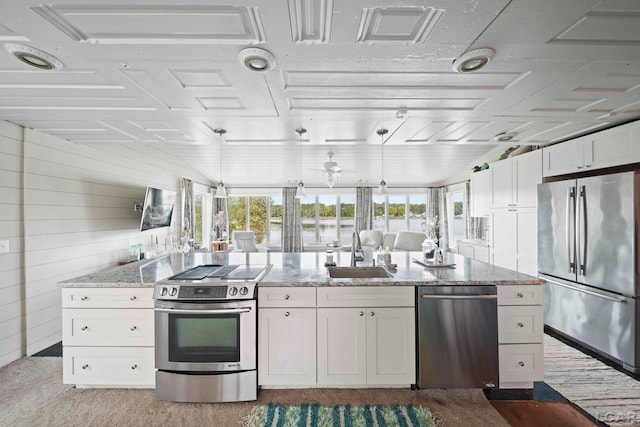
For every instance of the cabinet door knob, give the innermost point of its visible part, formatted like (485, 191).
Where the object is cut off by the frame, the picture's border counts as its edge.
(84, 298)
(520, 325)
(134, 366)
(587, 166)
(362, 313)
(521, 363)
(286, 297)
(133, 298)
(371, 314)
(133, 328)
(286, 314)
(85, 366)
(519, 295)
(84, 328)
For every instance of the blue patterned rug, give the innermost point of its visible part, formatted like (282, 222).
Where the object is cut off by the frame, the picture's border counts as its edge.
(276, 415)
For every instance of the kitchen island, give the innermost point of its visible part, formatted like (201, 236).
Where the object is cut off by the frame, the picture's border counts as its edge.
(108, 320)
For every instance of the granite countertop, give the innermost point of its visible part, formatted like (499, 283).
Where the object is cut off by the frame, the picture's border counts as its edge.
(307, 269)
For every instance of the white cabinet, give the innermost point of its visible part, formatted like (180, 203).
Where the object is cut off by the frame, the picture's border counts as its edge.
(611, 147)
(108, 337)
(481, 193)
(514, 239)
(520, 335)
(366, 343)
(474, 250)
(514, 217)
(514, 180)
(286, 336)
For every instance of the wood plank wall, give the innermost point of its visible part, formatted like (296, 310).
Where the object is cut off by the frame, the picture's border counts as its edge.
(78, 218)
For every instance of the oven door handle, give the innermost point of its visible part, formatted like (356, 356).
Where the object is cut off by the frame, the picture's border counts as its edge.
(222, 311)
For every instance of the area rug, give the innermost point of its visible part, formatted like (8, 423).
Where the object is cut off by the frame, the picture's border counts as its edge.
(315, 415)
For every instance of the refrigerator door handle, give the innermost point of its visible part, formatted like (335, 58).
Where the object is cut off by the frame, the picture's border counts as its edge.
(595, 294)
(582, 226)
(571, 196)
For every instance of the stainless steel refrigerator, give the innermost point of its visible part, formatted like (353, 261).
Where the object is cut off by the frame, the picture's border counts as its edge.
(587, 252)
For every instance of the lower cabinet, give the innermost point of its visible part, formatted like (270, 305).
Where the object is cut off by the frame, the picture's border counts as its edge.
(347, 336)
(108, 337)
(286, 346)
(520, 335)
(477, 251)
(372, 345)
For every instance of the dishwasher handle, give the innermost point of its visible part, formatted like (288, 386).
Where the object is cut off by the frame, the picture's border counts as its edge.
(426, 296)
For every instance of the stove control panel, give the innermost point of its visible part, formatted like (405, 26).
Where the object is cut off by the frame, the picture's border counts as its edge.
(204, 292)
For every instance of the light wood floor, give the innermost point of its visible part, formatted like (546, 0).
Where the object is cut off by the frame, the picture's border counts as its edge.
(609, 395)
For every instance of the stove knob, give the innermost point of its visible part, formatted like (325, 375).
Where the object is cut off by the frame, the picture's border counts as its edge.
(174, 292)
(244, 290)
(163, 291)
(233, 291)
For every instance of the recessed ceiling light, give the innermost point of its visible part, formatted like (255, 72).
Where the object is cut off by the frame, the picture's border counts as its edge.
(257, 59)
(33, 57)
(473, 60)
(504, 136)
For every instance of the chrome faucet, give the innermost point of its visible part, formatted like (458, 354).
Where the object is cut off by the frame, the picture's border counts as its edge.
(356, 246)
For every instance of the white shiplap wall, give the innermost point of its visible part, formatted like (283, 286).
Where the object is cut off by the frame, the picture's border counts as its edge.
(12, 315)
(78, 219)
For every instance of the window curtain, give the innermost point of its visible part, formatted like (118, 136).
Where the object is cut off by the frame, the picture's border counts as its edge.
(432, 224)
(188, 211)
(444, 221)
(469, 222)
(364, 209)
(220, 218)
(291, 221)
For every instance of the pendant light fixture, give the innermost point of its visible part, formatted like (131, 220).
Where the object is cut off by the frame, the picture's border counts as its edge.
(300, 190)
(382, 188)
(221, 191)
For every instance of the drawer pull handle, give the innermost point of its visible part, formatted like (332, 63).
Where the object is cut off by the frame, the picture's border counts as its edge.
(520, 325)
(521, 363)
(84, 328)
(133, 298)
(85, 366)
(362, 313)
(520, 295)
(133, 328)
(286, 314)
(134, 366)
(286, 297)
(84, 298)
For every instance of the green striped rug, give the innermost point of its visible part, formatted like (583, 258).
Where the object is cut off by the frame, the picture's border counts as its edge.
(276, 415)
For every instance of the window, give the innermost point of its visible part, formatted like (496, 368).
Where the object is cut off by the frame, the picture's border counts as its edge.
(417, 212)
(379, 213)
(310, 232)
(455, 217)
(251, 211)
(347, 217)
(275, 221)
(396, 213)
(202, 226)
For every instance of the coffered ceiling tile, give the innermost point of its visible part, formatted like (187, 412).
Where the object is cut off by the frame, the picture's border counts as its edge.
(156, 24)
(612, 82)
(397, 25)
(603, 28)
(8, 35)
(363, 104)
(311, 20)
(196, 79)
(221, 103)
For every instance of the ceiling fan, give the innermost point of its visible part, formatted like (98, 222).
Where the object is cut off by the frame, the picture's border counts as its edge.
(332, 171)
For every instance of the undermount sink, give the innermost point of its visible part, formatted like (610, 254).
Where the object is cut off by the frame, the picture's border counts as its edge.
(358, 272)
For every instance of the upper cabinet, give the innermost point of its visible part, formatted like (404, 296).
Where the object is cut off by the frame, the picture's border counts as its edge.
(514, 180)
(481, 193)
(612, 147)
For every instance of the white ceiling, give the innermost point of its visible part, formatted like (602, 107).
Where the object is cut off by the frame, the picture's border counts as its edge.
(158, 74)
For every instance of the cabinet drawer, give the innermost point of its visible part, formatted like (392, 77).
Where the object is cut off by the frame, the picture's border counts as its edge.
(367, 296)
(107, 297)
(132, 367)
(520, 324)
(521, 363)
(107, 327)
(287, 296)
(520, 295)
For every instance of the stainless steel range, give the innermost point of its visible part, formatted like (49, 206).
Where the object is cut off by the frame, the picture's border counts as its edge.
(205, 330)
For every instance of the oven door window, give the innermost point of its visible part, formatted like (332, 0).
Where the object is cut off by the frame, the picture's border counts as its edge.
(204, 338)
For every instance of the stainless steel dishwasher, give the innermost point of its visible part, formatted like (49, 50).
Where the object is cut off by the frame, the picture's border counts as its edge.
(457, 337)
